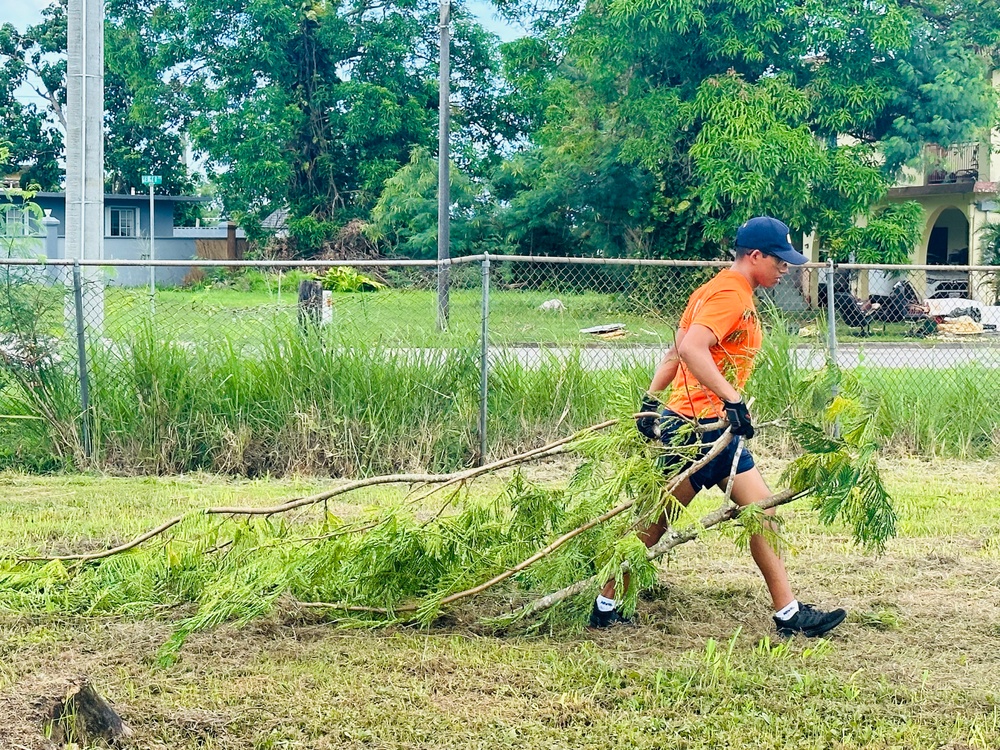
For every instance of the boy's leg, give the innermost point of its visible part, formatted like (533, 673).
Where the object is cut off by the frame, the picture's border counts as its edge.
(684, 493)
(789, 616)
(750, 487)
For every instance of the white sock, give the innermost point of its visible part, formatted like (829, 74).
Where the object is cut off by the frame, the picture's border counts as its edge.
(604, 604)
(789, 611)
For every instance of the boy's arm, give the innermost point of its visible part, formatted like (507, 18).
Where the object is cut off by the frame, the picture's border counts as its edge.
(667, 369)
(695, 350)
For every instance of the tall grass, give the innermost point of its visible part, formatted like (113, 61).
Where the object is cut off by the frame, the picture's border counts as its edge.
(555, 397)
(949, 412)
(297, 403)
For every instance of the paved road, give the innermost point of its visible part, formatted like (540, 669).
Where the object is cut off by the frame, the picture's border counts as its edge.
(936, 356)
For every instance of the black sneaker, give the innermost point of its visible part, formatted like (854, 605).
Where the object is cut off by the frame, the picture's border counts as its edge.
(608, 619)
(809, 621)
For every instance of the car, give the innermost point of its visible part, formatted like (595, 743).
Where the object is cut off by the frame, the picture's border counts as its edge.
(947, 284)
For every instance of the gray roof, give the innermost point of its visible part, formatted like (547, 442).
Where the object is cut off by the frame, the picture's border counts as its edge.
(137, 196)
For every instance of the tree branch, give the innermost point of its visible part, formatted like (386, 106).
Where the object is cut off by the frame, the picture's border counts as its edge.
(544, 451)
(717, 447)
(109, 552)
(445, 480)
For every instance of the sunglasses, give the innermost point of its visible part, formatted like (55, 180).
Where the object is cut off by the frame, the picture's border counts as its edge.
(781, 263)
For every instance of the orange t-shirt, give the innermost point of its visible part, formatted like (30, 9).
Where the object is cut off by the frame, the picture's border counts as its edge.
(724, 305)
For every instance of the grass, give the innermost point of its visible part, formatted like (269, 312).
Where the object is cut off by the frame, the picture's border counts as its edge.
(913, 667)
(330, 406)
(406, 317)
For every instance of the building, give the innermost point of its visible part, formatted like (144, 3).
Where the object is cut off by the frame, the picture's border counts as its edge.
(126, 232)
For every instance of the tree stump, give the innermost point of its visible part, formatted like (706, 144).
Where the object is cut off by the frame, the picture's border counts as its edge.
(310, 304)
(82, 716)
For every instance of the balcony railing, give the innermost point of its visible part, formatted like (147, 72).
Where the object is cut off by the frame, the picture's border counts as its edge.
(947, 164)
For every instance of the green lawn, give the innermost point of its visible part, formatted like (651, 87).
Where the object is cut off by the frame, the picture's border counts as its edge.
(914, 667)
(408, 316)
(402, 316)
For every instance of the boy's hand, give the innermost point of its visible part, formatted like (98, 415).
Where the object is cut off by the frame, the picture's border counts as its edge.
(649, 425)
(738, 417)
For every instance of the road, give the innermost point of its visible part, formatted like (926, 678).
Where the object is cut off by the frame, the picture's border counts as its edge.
(878, 355)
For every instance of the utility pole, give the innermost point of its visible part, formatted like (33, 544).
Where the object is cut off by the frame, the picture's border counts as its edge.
(444, 178)
(85, 146)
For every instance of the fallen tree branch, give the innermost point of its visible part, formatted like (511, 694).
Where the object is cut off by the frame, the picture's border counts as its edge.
(443, 480)
(553, 448)
(113, 551)
(550, 449)
(717, 447)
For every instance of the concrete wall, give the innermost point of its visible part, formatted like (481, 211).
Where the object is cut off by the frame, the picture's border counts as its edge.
(116, 248)
(171, 248)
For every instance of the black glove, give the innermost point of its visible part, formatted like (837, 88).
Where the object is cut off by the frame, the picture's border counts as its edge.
(647, 425)
(738, 417)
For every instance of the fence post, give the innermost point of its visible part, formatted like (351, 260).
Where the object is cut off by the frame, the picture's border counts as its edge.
(831, 313)
(831, 327)
(51, 225)
(81, 351)
(484, 359)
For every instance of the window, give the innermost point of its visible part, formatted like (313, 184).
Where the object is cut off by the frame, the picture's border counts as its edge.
(122, 222)
(16, 221)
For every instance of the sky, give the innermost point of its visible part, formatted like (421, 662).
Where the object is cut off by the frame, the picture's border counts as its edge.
(22, 13)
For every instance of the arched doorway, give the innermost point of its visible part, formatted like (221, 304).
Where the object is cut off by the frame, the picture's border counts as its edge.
(948, 245)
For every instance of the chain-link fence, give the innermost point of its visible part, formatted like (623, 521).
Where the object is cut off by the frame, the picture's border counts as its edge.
(344, 359)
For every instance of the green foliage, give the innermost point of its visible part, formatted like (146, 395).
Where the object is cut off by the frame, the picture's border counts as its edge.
(889, 236)
(990, 243)
(313, 106)
(34, 139)
(693, 116)
(843, 471)
(404, 220)
(345, 279)
(144, 116)
(36, 385)
(310, 234)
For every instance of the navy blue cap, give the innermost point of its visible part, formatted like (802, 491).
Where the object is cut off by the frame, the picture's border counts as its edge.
(771, 237)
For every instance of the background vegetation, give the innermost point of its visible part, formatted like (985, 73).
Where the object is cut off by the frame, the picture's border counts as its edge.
(647, 128)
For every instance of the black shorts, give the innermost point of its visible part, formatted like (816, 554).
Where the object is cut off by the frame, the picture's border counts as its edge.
(715, 471)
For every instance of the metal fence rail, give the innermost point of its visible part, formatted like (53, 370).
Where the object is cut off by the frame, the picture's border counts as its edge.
(931, 325)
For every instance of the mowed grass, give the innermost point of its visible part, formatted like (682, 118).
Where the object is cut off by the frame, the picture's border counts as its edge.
(914, 666)
(407, 317)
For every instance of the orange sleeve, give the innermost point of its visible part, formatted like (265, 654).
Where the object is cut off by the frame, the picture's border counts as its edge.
(719, 312)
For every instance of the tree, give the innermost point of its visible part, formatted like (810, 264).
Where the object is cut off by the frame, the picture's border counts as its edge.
(314, 106)
(31, 59)
(405, 218)
(806, 110)
(144, 115)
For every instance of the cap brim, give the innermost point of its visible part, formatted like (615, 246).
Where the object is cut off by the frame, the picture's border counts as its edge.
(790, 255)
